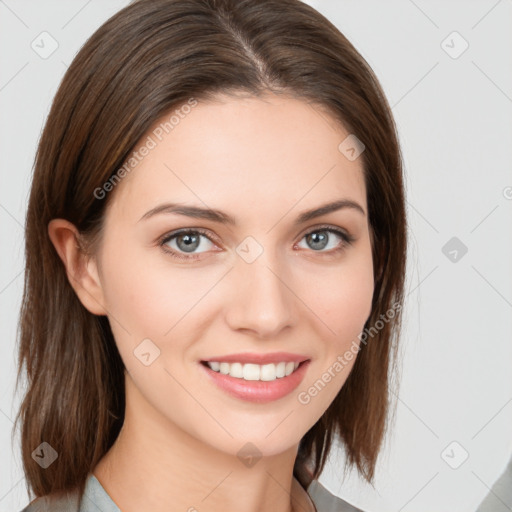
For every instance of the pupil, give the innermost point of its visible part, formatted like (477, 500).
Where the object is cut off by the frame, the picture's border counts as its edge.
(191, 242)
(319, 241)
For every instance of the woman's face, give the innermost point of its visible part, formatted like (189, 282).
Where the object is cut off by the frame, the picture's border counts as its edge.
(270, 280)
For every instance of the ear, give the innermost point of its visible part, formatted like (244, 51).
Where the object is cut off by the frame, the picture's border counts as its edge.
(81, 269)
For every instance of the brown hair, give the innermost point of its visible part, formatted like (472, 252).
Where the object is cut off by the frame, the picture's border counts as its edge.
(147, 59)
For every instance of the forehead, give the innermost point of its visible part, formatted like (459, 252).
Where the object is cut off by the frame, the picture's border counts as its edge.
(242, 153)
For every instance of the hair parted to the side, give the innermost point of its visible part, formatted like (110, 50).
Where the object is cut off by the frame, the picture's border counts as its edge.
(149, 58)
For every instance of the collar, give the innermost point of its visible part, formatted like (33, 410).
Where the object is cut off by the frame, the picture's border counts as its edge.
(96, 494)
(302, 502)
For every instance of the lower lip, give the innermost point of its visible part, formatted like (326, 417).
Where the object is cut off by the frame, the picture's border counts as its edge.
(256, 390)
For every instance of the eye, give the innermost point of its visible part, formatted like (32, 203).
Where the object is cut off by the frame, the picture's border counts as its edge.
(324, 237)
(182, 244)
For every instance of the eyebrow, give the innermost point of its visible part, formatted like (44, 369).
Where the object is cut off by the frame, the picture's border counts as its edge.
(224, 218)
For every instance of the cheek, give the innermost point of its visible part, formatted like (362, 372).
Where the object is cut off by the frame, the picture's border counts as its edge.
(341, 310)
(148, 299)
(153, 302)
(341, 297)
(157, 302)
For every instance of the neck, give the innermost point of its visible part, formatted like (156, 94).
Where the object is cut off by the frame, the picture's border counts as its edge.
(155, 465)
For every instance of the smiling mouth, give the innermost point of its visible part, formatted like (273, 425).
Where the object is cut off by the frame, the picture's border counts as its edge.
(254, 372)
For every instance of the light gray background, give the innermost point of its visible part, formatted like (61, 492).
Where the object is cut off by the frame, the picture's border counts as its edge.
(455, 124)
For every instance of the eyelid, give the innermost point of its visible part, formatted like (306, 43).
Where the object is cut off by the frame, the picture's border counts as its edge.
(214, 239)
(171, 234)
(329, 227)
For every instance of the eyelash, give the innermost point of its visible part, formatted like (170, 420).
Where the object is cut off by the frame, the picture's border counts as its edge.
(345, 237)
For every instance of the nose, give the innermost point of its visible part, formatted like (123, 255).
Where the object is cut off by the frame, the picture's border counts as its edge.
(263, 303)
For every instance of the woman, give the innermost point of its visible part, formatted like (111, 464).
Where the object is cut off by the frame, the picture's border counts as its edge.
(215, 258)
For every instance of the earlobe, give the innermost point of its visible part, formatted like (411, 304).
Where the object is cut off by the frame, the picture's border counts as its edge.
(81, 269)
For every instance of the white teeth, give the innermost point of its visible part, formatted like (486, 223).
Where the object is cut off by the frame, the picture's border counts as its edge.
(214, 366)
(280, 369)
(250, 371)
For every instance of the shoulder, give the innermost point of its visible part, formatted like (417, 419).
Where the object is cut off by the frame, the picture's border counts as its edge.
(326, 502)
(323, 500)
(95, 498)
(54, 503)
(500, 496)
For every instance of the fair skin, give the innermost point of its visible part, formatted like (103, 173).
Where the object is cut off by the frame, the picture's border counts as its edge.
(263, 161)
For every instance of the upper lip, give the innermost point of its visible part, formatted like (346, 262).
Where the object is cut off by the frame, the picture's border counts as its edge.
(246, 357)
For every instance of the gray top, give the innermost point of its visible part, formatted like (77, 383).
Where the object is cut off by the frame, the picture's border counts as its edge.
(96, 499)
(499, 498)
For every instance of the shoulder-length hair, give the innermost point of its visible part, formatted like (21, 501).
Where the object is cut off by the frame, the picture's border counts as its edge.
(142, 63)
